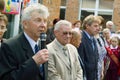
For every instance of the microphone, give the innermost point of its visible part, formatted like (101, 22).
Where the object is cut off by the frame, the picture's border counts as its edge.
(43, 37)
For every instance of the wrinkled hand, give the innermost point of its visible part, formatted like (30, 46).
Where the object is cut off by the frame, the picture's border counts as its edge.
(41, 56)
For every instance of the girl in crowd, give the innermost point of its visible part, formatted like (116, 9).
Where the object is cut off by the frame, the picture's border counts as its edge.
(114, 54)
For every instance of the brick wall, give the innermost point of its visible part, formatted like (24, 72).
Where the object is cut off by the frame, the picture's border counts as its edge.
(54, 9)
(72, 10)
(116, 14)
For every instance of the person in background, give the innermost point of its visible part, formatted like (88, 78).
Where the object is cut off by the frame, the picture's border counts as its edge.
(110, 25)
(77, 24)
(76, 40)
(118, 32)
(88, 49)
(114, 54)
(106, 35)
(3, 24)
(50, 32)
(63, 63)
(101, 43)
(76, 37)
(2, 4)
(20, 57)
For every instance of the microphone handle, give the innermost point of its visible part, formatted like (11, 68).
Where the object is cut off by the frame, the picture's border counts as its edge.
(43, 44)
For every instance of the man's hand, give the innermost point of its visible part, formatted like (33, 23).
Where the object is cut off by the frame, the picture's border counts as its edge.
(41, 56)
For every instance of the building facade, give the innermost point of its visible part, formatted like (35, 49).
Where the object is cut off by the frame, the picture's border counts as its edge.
(73, 10)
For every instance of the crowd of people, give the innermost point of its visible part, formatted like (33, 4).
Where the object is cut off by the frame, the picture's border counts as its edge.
(83, 50)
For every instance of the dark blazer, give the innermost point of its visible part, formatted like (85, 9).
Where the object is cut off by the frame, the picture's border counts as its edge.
(83, 68)
(50, 35)
(89, 57)
(16, 61)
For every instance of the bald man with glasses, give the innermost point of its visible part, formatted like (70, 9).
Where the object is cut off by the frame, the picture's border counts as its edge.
(63, 63)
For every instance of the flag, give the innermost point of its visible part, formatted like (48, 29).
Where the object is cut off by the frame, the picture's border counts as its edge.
(12, 6)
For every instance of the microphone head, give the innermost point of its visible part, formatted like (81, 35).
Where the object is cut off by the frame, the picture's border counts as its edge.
(43, 36)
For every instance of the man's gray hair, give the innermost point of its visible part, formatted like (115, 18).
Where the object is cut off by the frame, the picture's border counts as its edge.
(109, 23)
(43, 10)
(62, 22)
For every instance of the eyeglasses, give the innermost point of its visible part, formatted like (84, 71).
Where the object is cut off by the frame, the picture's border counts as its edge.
(66, 33)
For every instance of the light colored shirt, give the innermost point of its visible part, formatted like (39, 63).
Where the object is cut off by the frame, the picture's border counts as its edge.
(31, 41)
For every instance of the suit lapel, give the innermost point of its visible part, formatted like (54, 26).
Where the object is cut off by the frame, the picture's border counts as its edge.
(26, 46)
(59, 53)
(89, 41)
(71, 57)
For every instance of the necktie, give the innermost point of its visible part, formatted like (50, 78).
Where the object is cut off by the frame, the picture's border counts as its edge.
(36, 48)
(93, 42)
(65, 51)
(41, 66)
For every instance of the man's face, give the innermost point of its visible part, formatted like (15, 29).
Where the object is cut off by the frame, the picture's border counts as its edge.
(36, 25)
(93, 29)
(2, 28)
(64, 34)
(109, 26)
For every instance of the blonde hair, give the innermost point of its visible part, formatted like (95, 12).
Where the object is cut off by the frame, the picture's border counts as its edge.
(89, 20)
(106, 30)
(76, 37)
(4, 18)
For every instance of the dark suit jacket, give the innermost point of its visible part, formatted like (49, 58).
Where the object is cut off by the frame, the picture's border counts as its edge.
(83, 68)
(50, 35)
(16, 61)
(89, 57)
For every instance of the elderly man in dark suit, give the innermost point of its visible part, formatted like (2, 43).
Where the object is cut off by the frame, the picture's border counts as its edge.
(18, 58)
(88, 49)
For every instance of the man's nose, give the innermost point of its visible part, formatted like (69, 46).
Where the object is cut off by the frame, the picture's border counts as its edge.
(43, 23)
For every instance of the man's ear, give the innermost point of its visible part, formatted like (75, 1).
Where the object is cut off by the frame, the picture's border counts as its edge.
(24, 23)
(87, 25)
(55, 32)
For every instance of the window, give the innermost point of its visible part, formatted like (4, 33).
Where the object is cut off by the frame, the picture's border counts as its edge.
(96, 7)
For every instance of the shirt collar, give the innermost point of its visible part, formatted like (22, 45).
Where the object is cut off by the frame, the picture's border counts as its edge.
(88, 35)
(31, 41)
(113, 47)
(59, 44)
